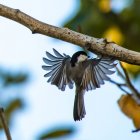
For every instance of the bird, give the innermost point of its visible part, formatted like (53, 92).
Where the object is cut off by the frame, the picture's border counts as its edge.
(85, 72)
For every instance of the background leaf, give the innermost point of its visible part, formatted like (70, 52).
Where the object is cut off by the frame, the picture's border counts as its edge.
(57, 132)
(130, 108)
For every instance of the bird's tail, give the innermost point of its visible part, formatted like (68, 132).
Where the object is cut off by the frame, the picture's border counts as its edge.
(79, 111)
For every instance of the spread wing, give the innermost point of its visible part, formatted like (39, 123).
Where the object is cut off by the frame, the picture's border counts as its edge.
(96, 72)
(57, 66)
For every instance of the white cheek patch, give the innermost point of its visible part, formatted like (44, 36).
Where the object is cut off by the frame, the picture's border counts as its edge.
(82, 58)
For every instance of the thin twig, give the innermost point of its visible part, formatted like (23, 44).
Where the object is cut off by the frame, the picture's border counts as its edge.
(4, 124)
(128, 82)
(120, 74)
(120, 86)
(137, 130)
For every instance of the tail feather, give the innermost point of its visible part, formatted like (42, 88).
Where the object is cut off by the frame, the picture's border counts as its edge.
(79, 111)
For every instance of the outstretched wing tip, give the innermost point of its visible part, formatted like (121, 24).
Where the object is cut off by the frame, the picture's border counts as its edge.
(43, 58)
(45, 75)
(57, 66)
(43, 66)
(54, 49)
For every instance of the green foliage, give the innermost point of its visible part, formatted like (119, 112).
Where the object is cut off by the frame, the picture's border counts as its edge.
(11, 108)
(57, 133)
(10, 105)
(9, 78)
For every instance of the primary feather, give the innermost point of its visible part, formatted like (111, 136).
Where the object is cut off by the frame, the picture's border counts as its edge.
(96, 71)
(57, 67)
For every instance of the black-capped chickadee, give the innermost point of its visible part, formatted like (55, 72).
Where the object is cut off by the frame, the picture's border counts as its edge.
(86, 73)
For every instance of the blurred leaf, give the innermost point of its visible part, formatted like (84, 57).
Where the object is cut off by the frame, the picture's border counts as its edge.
(136, 121)
(8, 98)
(56, 133)
(127, 105)
(104, 5)
(132, 69)
(130, 108)
(113, 33)
(14, 79)
(11, 108)
(14, 105)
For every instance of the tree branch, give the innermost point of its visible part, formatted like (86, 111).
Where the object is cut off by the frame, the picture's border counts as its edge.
(95, 45)
(4, 124)
(128, 82)
(120, 86)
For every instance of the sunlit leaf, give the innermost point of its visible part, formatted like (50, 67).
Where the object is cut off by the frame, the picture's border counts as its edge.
(113, 33)
(105, 5)
(130, 108)
(132, 69)
(136, 120)
(56, 133)
(127, 105)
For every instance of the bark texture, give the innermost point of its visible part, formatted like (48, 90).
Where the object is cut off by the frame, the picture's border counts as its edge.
(95, 45)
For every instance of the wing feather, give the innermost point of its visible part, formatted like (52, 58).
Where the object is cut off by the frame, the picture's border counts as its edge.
(50, 56)
(57, 70)
(57, 53)
(100, 79)
(49, 62)
(96, 71)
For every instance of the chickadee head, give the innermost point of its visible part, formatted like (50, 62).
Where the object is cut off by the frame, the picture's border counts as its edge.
(77, 57)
